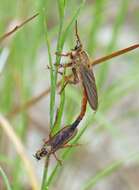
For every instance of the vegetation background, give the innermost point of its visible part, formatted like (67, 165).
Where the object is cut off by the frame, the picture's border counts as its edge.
(109, 156)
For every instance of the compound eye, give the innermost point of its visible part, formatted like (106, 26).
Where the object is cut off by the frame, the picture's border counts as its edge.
(43, 152)
(37, 156)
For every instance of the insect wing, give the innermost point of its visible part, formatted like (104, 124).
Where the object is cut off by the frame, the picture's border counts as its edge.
(89, 84)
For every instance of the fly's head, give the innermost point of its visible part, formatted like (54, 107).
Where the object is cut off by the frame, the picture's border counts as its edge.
(41, 153)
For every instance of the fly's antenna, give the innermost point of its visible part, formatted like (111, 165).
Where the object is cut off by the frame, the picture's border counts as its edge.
(77, 35)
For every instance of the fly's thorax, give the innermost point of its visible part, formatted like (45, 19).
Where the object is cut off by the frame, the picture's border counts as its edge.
(84, 58)
(75, 57)
(79, 58)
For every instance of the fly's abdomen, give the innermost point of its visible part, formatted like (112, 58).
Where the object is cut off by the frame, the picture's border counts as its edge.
(63, 137)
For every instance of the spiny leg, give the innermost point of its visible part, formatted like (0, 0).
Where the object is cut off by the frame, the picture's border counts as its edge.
(48, 67)
(63, 54)
(70, 145)
(46, 141)
(50, 136)
(60, 162)
(64, 65)
(69, 81)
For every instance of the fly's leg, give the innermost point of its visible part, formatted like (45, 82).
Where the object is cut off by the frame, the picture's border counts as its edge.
(48, 67)
(70, 145)
(60, 162)
(63, 54)
(69, 81)
(45, 141)
(64, 65)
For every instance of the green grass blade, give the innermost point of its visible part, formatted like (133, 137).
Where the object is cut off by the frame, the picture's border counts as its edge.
(103, 72)
(61, 6)
(107, 171)
(74, 18)
(68, 151)
(57, 124)
(97, 19)
(61, 40)
(5, 179)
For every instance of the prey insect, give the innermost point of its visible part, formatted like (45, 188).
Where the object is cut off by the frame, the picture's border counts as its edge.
(82, 71)
(61, 138)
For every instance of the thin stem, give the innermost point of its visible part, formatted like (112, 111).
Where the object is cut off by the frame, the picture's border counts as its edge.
(44, 180)
(5, 179)
(114, 54)
(17, 27)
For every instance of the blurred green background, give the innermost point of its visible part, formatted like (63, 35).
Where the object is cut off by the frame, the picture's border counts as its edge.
(108, 157)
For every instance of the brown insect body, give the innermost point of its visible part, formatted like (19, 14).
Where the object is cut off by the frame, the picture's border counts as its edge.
(82, 71)
(80, 62)
(81, 67)
(61, 138)
(56, 142)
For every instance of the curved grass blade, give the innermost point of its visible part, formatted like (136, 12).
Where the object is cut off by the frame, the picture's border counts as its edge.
(103, 73)
(5, 179)
(108, 170)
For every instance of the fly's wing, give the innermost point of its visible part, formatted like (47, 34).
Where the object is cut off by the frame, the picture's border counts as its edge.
(89, 84)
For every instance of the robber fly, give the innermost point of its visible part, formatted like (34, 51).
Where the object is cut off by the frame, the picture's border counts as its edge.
(62, 137)
(82, 71)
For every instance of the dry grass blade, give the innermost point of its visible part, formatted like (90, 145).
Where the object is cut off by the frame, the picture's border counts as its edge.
(31, 102)
(8, 129)
(114, 54)
(17, 27)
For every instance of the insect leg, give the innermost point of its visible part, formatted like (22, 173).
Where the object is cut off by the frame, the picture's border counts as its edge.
(69, 81)
(46, 141)
(60, 162)
(63, 54)
(48, 67)
(63, 65)
(70, 145)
